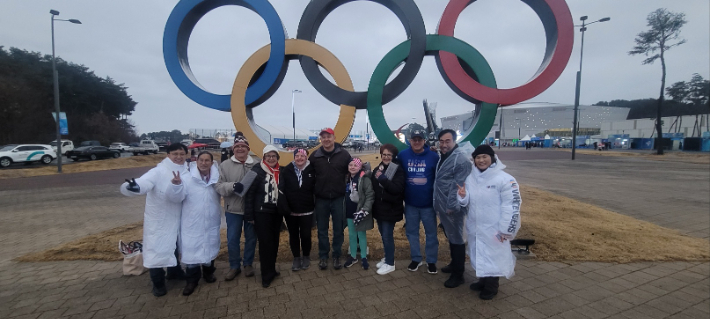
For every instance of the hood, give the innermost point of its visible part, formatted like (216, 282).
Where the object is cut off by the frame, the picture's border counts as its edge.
(250, 159)
(167, 164)
(195, 173)
(494, 168)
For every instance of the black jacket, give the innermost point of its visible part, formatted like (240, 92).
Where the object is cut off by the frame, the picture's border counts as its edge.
(389, 196)
(297, 199)
(330, 172)
(255, 200)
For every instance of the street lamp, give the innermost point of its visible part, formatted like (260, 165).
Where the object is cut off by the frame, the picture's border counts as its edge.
(575, 121)
(519, 124)
(56, 88)
(293, 110)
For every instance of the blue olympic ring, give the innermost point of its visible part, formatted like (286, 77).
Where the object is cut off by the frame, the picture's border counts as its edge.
(178, 28)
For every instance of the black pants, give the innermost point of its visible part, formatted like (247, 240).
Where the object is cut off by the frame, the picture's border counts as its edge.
(267, 227)
(193, 274)
(299, 231)
(157, 275)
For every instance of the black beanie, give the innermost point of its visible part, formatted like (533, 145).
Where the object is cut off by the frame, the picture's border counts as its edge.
(484, 149)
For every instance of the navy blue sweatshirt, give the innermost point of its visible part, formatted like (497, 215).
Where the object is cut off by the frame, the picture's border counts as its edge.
(419, 170)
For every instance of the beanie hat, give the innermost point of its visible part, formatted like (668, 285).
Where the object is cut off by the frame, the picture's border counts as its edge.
(484, 149)
(357, 161)
(239, 138)
(301, 151)
(271, 148)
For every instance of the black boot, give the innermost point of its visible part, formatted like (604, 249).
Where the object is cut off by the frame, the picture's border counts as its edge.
(157, 276)
(478, 286)
(192, 277)
(175, 272)
(446, 269)
(458, 259)
(490, 289)
(208, 273)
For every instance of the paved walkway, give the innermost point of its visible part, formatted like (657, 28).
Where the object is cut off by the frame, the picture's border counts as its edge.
(49, 212)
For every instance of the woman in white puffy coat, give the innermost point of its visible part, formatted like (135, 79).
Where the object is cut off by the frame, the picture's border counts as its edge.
(493, 200)
(199, 226)
(164, 192)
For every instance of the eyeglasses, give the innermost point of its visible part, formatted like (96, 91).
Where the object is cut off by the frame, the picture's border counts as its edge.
(271, 156)
(241, 146)
(386, 155)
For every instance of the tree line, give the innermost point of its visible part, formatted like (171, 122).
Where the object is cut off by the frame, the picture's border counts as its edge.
(96, 107)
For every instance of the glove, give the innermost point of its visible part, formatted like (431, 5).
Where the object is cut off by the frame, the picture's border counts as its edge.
(382, 178)
(238, 188)
(133, 186)
(359, 216)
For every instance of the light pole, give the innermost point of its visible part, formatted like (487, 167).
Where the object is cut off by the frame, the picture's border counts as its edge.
(520, 122)
(293, 110)
(56, 88)
(575, 121)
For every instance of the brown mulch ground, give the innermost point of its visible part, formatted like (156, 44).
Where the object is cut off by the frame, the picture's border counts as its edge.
(564, 230)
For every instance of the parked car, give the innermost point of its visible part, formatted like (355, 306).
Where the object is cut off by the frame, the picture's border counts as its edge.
(90, 143)
(67, 146)
(27, 153)
(119, 146)
(211, 143)
(146, 147)
(162, 145)
(92, 153)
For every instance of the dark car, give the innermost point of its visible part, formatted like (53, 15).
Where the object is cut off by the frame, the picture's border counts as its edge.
(90, 143)
(92, 153)
(211, 143)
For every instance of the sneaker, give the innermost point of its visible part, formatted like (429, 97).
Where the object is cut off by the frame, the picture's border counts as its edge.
(365, 264)
(385, 269)
(413, 266)
(296, 264)
(323, 264)
(350, 261)
(336, 263)
(431, 268)
(248, 271)
(232, 273)
(380, 264)
(305, 262)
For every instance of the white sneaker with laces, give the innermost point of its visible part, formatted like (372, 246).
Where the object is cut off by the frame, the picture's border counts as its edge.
(385, 269)
(379, 264)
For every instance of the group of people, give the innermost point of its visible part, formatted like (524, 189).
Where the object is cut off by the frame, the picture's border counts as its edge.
(475, 202)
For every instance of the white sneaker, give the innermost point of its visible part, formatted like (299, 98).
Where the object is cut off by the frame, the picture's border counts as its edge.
(379, 264)
(385, 269)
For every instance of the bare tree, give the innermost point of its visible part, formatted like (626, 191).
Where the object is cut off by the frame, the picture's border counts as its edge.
(664, 30)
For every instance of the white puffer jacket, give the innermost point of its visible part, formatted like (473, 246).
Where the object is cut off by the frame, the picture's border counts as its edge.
(493, 202)
(163, 206)
(201, 218)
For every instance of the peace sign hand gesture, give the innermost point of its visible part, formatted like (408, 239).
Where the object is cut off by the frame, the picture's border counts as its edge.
(176, 178)
(462, 190)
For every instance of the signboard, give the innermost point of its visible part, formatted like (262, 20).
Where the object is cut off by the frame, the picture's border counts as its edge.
(63, 124)
(673, 135)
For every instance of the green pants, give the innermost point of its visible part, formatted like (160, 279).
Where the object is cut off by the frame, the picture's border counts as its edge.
(354, 236)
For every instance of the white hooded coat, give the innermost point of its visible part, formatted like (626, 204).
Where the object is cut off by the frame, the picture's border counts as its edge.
(493, 201)
(161, 219)
(201, 218)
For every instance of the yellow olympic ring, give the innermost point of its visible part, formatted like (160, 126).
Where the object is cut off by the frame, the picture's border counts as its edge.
(294, 47)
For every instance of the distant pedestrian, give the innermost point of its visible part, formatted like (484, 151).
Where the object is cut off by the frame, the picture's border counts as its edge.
(492, 198)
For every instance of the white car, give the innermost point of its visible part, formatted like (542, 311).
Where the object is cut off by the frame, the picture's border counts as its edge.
(19, 153)
(67, 146)
(118, 146)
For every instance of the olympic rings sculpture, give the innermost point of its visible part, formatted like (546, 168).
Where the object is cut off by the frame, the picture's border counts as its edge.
(262, 74)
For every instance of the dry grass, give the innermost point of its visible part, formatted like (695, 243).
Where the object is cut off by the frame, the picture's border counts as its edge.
(682, 157)
(564, 230)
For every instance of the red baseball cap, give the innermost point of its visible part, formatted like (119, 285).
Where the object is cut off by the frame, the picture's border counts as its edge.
(327, 130)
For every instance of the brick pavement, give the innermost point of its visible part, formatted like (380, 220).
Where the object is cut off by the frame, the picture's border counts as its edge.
(40, 218)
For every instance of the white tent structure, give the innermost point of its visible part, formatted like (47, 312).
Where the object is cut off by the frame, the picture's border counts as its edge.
(275, 133)
(526, 138)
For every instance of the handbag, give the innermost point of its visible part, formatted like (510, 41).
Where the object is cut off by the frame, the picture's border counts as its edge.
(132, 258)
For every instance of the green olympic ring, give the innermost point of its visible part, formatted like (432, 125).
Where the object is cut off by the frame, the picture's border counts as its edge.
(434, 43)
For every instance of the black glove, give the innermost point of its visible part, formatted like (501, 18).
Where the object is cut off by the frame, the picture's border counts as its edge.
(382, 178)
(238, 187)
(133, 186)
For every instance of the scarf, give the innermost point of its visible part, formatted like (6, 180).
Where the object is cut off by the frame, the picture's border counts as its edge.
(272, 177)
(299, 172)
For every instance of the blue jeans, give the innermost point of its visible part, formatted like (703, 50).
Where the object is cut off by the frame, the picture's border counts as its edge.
(387, 234)
(234, 235)
(325, 209)
(427, 216)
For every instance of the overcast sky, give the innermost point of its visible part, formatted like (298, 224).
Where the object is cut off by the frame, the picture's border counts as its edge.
(123, 40)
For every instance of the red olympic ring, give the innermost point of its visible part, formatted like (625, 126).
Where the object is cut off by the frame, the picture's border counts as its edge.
(559, 35)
